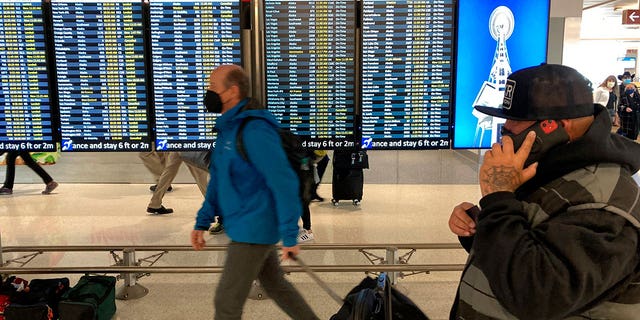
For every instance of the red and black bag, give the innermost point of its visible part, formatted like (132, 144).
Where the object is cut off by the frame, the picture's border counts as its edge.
(38, 301)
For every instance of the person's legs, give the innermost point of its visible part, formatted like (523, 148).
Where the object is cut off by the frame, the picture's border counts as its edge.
(11, 169)
(633, 134)
(625, 119)
(283, 293)
(202, 180)
(46, 178)
(306, 234)
(201, 177)
(172, 165)
(321, 167)
(26, 157)
(306, 218)
(243, 263)
(154, 161)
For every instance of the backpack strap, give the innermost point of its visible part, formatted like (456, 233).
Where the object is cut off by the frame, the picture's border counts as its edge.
(240, 141)
(253, 104)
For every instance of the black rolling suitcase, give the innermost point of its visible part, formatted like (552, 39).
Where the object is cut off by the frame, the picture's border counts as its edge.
(348, 176)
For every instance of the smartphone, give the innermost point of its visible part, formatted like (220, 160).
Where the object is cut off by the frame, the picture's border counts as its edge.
(549, 133)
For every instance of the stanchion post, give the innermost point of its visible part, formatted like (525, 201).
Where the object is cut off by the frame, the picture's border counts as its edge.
(129, 259)
(131, 289)
(1, 258)
(2, 276)
(392, 258)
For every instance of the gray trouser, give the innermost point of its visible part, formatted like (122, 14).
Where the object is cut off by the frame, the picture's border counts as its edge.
(165, 166)
(245, 263)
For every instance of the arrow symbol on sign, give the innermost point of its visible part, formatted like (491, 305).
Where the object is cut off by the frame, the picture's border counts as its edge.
(633, 16)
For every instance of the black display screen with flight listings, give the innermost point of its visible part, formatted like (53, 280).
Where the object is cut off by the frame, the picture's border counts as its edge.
(99, 58)
(310, 70)
(25, 104)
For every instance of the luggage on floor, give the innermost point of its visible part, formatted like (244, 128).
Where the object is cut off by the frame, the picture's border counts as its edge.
(347, 184)
(7, 289)
(4, 302)
(93, 298)
(351, 159)
(38, 301)
(40, 311)
(348, 177)
(369, 300)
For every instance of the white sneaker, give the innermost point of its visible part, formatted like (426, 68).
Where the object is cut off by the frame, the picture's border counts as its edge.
(305, 235)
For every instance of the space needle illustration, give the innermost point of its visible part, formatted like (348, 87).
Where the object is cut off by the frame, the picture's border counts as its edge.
(501, 23)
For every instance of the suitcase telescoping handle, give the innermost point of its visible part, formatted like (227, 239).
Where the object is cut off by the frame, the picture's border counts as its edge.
(315, 277)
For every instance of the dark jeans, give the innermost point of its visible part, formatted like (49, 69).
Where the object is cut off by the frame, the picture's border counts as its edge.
(245, 263)
(306, 217)
(322, 166)
(26, 157)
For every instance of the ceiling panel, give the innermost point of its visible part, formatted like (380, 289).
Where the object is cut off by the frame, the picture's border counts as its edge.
(603, 20)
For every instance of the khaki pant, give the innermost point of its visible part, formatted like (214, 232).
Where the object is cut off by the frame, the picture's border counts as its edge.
(164, 166)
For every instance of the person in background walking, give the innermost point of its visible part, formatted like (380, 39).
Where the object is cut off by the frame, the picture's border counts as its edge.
(7, 188)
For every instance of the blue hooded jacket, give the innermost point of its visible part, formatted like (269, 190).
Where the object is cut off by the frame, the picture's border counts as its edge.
(257, 199)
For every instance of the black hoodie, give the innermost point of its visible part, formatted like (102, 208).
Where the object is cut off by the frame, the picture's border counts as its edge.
(575, 259)
(598, 145)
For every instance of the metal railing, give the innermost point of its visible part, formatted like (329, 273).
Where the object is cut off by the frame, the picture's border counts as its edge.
(130, 269)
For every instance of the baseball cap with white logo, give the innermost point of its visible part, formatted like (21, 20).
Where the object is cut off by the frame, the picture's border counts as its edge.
(548, 91)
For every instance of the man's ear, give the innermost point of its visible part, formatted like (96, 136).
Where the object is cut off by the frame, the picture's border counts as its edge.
(236, 91)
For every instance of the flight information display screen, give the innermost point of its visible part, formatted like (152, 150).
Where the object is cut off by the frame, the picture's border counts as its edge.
(310, 69)
(188, 40)
(407, 49)
(99, 55)
(25, 106)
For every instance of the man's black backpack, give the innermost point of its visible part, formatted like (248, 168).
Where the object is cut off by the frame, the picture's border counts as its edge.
(371, 299)
(299, 158)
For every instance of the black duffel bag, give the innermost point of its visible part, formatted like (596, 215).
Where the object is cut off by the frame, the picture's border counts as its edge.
(38, 302)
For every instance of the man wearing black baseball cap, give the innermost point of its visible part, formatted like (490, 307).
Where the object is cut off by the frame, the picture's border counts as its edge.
(557, 235)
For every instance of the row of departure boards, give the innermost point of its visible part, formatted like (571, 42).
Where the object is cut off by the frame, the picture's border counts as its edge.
(127, 75)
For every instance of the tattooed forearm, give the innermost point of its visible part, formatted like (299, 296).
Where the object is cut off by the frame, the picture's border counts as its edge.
(499, 178)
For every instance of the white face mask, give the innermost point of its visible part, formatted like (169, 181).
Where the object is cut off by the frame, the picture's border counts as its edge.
(611, 84)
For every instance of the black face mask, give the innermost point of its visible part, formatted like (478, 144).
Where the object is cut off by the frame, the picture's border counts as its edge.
(549, 133)
(212, 102)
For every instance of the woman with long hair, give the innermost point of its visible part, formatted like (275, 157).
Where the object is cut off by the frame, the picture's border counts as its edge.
(605, 94)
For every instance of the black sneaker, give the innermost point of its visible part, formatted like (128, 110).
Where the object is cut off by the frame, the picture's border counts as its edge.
(153, 188)
(316, 197)
(161, 210)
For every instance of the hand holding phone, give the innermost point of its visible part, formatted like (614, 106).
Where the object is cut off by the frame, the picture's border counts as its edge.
(549, 133)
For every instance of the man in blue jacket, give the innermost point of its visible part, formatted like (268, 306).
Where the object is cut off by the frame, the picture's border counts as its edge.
(257, 199)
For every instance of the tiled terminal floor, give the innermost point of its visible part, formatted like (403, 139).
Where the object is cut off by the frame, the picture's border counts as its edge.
(114, 214)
